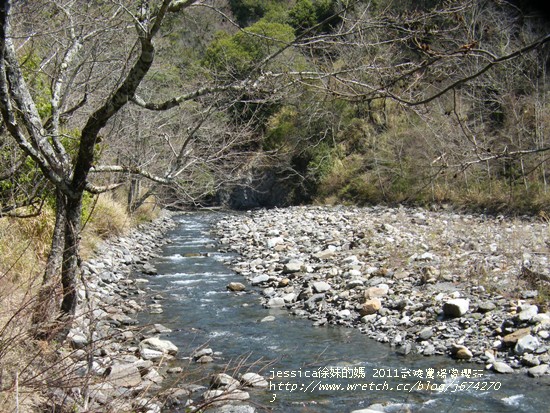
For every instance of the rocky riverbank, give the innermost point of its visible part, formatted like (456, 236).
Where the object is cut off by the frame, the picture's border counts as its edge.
(109, 363)
(469, 286)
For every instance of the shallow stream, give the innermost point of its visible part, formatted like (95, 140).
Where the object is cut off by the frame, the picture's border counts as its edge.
(193, 276)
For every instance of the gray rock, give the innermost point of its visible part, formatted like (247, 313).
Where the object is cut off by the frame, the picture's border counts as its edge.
(527, 313)
(149, 269)
(204, 359)
(293, 267)
(124, 375)
(429, 349)
(529, 294)
(355, 283)
(259, 279)
(542, 318)
(223, 396)
(404, 349)
(153, 376)
(369, 318)
(486, 306)
(379, 291)
(276, 302)
(159, 329)
(501, 367)
(224, 381)
(175, 370)
(425, 333)
(156, 344)
(231, 408)
(149, 354)
(253, 380)
(325, 254)
(289, 298)
(203, 352)
(530, 360)
(538, 371)
(77, 340)
(456, 308)
(321, 287)
(272, 242)
(371, 409)
(526, 344)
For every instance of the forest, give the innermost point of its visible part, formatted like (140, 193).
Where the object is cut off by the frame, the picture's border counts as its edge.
(114, 109)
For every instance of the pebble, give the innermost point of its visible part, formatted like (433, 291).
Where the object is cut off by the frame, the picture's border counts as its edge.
(236, 287)
(501, 367)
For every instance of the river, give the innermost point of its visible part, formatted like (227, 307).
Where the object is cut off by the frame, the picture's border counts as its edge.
(193, 276)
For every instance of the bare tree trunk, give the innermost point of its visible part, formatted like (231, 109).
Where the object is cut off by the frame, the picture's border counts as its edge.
(47, 300)
(70, 265)
(133, 194)
(141, 200)
(58, 238)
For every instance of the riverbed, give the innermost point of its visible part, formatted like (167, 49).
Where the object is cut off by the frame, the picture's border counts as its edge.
(324, 368)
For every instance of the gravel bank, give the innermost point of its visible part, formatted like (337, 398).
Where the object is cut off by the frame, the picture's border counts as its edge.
(428, 282)
(109, 363)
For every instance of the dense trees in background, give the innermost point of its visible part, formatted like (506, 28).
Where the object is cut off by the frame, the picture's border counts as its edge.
(359, 101)
(422, 102)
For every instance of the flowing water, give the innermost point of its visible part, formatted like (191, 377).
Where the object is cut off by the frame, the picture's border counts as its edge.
(202, 312)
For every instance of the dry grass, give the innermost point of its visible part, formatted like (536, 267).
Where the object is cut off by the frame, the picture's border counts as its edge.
(24, 246)
(106, 218)
(147, 212)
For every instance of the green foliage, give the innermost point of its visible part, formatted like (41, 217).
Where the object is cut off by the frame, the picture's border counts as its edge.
(236, 55)
(302, 16)
(166, 75)
(361, 190)
(250, 11)
(355, 135)
(281, 128)
(25, 182)
(307, 13)
(322, 160)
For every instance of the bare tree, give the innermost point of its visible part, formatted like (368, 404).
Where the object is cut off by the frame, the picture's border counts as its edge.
(84, 40)
(90, 82)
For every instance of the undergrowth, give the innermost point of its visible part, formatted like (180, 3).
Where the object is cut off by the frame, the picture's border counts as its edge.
(26, 363)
